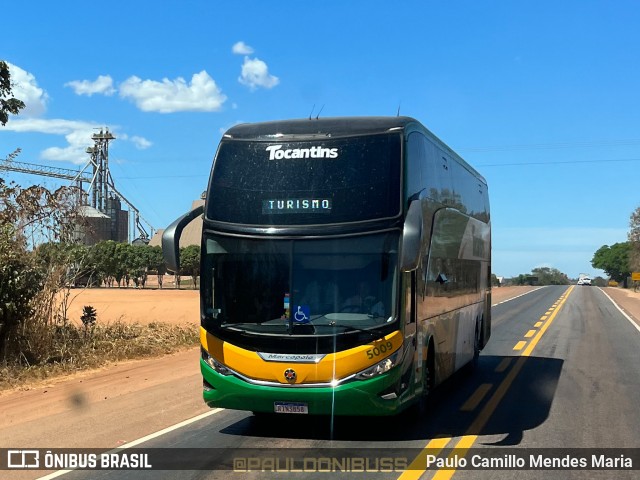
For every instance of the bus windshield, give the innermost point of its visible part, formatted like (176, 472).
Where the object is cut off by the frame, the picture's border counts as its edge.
(302, 287)
(306, 182)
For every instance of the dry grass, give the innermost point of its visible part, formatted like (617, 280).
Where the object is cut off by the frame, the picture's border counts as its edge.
(68, 349)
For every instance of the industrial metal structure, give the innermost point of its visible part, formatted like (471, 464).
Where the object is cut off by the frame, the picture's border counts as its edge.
(101, 204)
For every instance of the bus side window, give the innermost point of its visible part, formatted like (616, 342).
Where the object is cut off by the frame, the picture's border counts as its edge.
(430, 170)
(443, 167)
(413, 175)
(471, 190)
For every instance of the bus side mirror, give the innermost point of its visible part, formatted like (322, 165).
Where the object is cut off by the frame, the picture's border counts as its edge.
(171, 238)
(412, 237)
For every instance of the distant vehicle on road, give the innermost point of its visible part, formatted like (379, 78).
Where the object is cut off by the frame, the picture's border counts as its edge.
(584, 281)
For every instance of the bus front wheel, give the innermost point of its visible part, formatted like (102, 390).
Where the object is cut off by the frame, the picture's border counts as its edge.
(477, 341)
(428, 383)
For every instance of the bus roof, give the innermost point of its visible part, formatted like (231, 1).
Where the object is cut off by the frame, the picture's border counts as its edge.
(310, 128)
(314, 127)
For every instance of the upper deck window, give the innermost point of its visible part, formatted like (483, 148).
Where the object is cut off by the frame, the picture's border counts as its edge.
(306, 182)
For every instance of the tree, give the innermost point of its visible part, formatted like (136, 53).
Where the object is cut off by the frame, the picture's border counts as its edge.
(599, 282)
(156, 263)
(634, 240)
(190, 262)
(634, 223)
(8, 104)
(81, 266)
(614, 260)
(541, 276)
(20, 282)
(124, 263)
(20, 279)
(550, 276)
(139, 263)
(28, 283)
(104, 258)
(519, 280)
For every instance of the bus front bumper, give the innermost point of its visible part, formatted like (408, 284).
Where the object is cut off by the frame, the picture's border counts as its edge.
(355, 398)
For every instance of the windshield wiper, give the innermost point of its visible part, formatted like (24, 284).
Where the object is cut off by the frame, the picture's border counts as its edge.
(255, 327)
(350, 328)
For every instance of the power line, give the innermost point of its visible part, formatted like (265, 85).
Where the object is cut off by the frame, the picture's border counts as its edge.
(206, 177)
(551, 146)
(567, 162)
(513, 164)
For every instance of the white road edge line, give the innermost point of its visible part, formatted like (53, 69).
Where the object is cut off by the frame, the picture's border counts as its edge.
(621, 311)
(143, 439)
(517, 296)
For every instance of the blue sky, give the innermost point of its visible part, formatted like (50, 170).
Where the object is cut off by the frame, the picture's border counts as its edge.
(541, 97)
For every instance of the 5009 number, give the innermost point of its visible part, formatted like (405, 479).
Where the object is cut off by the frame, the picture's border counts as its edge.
(379, 350)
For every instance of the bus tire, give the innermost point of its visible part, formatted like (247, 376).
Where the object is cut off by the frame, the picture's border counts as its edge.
(477, 342)
(428, 383)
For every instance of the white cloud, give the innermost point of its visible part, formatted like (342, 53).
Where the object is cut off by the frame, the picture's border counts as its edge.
(75, 152)
(103, 85)
(51, 126)
(255, 73)
(25, 88)
(201, 95)
(141, 143)
(77, 134)
(241, 48)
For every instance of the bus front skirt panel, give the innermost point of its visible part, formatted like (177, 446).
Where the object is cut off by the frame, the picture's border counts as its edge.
(356, 398)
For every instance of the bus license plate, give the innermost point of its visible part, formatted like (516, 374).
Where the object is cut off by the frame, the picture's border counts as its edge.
(287, 407)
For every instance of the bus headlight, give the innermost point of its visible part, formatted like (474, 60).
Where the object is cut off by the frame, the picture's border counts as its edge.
(213, 363)
(379, 368)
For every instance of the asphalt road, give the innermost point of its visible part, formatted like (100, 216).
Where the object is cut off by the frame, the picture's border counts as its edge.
(558, 382)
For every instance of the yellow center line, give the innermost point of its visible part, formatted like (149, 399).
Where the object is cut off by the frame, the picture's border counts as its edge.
(502, 366)
(466, 442)
(544, 327)
(476, 398)
(530, 334)
(463, 445)
(460, 450)
(419, 464)
(520, 345)
(538, 324)
(544, 317)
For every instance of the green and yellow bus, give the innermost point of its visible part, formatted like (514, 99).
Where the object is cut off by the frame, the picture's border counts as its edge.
(345, 266)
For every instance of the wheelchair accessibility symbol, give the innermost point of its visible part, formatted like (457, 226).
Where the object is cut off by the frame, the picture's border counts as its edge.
(302, 314)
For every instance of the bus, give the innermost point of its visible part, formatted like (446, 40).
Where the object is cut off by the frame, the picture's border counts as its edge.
(345, 267)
